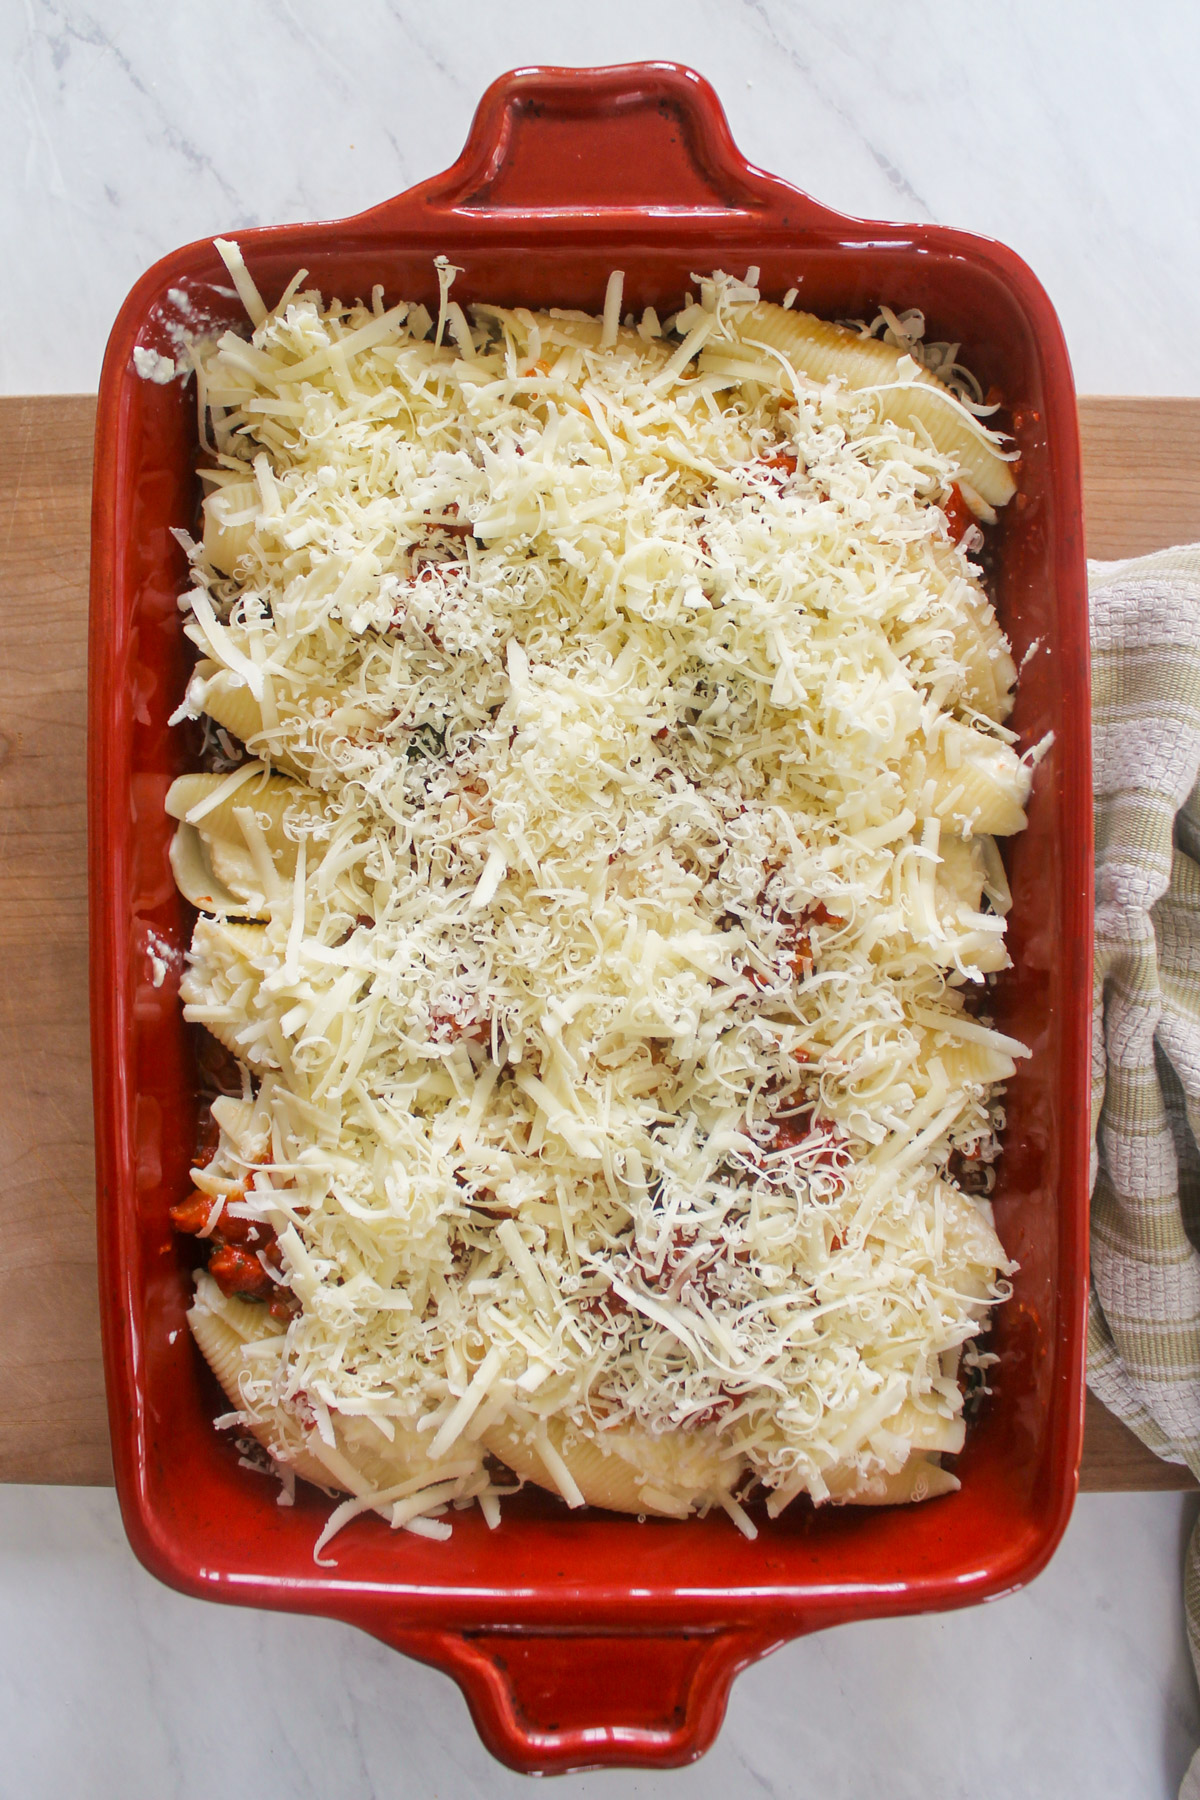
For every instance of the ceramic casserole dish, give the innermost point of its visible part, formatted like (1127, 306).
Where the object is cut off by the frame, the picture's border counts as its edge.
(588, 1639)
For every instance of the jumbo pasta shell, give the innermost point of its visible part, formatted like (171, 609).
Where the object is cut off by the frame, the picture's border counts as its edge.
(372, 1460)
(982, 648)
(196, 879)
(230, 520)
(273, 800)
(973, 782)
(919, 1479)
(668, 1477)
(825, 352)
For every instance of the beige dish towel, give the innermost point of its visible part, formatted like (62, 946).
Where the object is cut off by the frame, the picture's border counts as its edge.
(1144, 1330)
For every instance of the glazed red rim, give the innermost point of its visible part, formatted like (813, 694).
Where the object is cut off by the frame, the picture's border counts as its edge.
(587, 1640)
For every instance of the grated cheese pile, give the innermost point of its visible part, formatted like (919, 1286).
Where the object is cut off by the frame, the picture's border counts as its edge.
(596, 864)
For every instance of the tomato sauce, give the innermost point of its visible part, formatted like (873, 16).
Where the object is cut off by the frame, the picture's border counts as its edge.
(235, 1242)
(239, 1273)
(959, 516)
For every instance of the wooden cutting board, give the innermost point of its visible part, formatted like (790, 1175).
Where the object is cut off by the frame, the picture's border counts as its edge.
(1141, 492)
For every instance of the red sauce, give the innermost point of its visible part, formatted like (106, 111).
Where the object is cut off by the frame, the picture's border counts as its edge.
(799, 952)
(452, 522)
(253, 1234)
(819, 914)
(783, 461)
(796, 1131)
(239, 1272)
(449, 1027)
(207, 1140)
(235, 1242)
(191, 1215)
(612, 1303)
(793, 1129)
(687, 1263)
(959, 516)
(362, 922)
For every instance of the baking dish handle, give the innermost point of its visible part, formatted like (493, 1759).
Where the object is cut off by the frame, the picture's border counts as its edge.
(551, 1702)
(597, 143)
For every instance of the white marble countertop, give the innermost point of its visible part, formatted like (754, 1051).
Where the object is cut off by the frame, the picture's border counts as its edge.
(114, 1688)
(1066, 129)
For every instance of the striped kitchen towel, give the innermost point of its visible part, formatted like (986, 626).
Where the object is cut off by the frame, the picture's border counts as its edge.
(1144, 1330)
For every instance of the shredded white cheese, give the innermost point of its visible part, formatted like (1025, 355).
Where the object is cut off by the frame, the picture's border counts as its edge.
(607, 1011)
(152, 365)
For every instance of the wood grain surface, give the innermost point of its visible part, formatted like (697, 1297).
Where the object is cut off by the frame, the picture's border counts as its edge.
(1141, 492)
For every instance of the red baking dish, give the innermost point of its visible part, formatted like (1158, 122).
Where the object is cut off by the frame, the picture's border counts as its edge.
(587, 1639)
